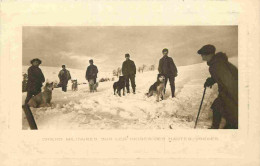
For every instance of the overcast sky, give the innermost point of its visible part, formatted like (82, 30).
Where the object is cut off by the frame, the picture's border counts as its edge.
(74, 46)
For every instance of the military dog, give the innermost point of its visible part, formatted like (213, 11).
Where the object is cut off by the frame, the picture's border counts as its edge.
(74, 85)
(158, 87)
(42, 99)
(119, 85)
(92, 86)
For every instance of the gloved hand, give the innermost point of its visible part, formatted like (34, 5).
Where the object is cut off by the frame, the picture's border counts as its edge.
(209, 82)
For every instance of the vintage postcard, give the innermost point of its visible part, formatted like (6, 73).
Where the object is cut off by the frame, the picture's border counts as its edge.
(129, 83)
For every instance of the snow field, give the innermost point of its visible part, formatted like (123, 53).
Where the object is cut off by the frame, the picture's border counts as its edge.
(104, 110)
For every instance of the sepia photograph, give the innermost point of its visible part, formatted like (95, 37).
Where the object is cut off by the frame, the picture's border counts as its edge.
(129, 83)
(130, 77)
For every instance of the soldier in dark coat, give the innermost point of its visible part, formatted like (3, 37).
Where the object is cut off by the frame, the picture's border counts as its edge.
(226, 76)
(168, 69)
(129, 71)
(64, 76)
(91, 72)
(35, 79)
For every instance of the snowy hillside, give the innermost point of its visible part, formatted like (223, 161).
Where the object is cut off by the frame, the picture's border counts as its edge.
(103, 110)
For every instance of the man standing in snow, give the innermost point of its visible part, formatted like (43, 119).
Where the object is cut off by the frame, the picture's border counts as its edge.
(35, 79)
(226, 76)
(91, 72)
(168, 69)
(129, 71)
(64, 76)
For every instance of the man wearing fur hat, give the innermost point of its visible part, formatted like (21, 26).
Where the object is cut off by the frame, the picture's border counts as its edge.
(226, 76)
(35, 79)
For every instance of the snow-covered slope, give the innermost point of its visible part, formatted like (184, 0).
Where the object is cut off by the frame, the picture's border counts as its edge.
(103, 110)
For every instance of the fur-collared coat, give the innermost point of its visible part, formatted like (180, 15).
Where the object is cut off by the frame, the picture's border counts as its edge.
(226, 76)
(35, 79)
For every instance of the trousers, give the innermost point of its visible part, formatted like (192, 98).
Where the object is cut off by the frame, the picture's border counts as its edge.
(172, 84)
(132, 79)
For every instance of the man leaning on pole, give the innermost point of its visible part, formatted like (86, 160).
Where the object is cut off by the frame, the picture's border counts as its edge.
(226, 76)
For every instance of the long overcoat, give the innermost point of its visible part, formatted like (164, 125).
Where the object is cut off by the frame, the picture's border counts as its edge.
(35, 79)
(225, 75)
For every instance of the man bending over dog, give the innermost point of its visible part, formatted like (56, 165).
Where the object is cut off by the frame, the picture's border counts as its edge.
(168, 69)
(91, 73)
(64, 76)
(35, 79)
(129, 71)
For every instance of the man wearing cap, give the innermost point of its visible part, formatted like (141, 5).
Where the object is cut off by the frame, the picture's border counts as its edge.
(129, 71)
(92, 71)
(168, 69)
(226, 76)
(35, 79)
(64, 76)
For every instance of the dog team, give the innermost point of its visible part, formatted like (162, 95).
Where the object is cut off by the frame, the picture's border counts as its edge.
(222, 72)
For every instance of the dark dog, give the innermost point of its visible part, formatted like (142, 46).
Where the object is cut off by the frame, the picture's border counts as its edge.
(119, 85)
(158, 87)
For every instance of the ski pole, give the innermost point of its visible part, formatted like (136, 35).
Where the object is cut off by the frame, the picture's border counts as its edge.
(200, 108)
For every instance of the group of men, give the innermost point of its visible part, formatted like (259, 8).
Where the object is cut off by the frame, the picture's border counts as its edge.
(222, 72)
(64, 75)
(166, 67)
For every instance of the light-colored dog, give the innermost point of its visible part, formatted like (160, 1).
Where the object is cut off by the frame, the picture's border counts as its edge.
(158, 87)
(42, 99)
(93, 86)
(74, 85)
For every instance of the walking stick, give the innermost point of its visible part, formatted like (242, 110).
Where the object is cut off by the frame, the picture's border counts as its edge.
(29, 117)
(200, 108)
